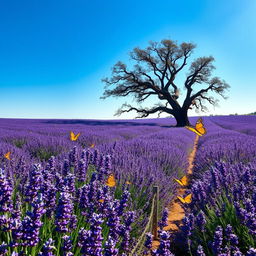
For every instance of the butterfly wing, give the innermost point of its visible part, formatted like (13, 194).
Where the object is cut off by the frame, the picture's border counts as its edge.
(179, 182)
(188, 199)
(92, 146)
(8, 155)
(193, 130)
(72, 136)
(111, 182)
(181, 199)
(76, 136)
(200, 126)
(184, 180)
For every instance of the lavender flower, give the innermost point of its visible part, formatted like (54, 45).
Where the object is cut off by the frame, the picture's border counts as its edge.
(51, 164)
(84, 241)
(82, 169)
(73, 156)
(200, 220)
(110, 249)
(48, 248)
(200, 251)
(34, 185)
(251, 252)
(65, 168)
(91, 241)
(236, 252)
(113, 221)
(69, 183)
(32, 223)
(164, 247)
(164, 219)
(148, 241)
(217, 242)
(126, 241)
(3, 248)
(64, 213)
(5, 193)
(108, 164)
(67, 246)
(123, 202)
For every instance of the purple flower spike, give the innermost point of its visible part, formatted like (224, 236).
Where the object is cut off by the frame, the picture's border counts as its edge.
(251, 252)
(32, 223)
(82, 169)
(34, 185)
(200, 251)
(48, 248)
(110, 249)
(123, 202)
(200, 220)
(164, 219)
(64, 213)
(164, 247)
(67, 246)
(3, 248)
(5, 193)
(148, 241)
(218, 238)
(91, 241)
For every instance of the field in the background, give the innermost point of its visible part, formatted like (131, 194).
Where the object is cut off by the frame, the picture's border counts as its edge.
(57, 192)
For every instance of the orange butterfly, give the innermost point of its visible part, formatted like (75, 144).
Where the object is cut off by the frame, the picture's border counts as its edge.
(183, 181)
(101, 200)
(74, 137)
(128, 182)
(199, 128)
(111, 182)
(92, 146)
(186, 200)
(8, 155)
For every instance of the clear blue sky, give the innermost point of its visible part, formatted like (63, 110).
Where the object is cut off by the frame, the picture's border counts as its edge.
(54, 53)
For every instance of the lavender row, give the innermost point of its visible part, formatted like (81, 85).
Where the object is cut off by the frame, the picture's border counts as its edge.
(221, 218)
(50, 215)
(67, 208)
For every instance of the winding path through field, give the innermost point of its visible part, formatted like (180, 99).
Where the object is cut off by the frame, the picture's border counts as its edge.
(176, 211)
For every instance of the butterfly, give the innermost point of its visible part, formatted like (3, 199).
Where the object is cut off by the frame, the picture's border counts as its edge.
(186, 200)
(8, 155)
(128, 182)
(101, 200)
(199, 128)
(183, 181)
(111, 182)
(92, 146)
(74, 137)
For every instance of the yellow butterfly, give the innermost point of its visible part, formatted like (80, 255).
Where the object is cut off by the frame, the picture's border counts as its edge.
(183, 181)
(128, 182)
(92, 146)
(101, 200)
(186, 200)
(199, 128)
(111, 182)
(74, 137)
(8, 155)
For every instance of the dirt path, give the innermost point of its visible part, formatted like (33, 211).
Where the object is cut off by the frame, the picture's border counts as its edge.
(176, 211)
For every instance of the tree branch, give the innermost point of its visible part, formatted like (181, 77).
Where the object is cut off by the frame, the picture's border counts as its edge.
(143, 112)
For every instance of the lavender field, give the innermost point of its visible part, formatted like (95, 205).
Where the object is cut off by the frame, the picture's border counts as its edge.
(56, 198)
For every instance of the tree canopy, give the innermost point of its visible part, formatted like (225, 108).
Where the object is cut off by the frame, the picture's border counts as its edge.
(155, 72)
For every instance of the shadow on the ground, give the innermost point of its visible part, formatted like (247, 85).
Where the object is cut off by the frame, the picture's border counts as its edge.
(105, 123)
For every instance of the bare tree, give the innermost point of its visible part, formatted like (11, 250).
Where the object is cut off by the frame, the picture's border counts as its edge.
(154, 74)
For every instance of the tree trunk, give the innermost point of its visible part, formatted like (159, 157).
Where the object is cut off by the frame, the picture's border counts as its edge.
(181, 117)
